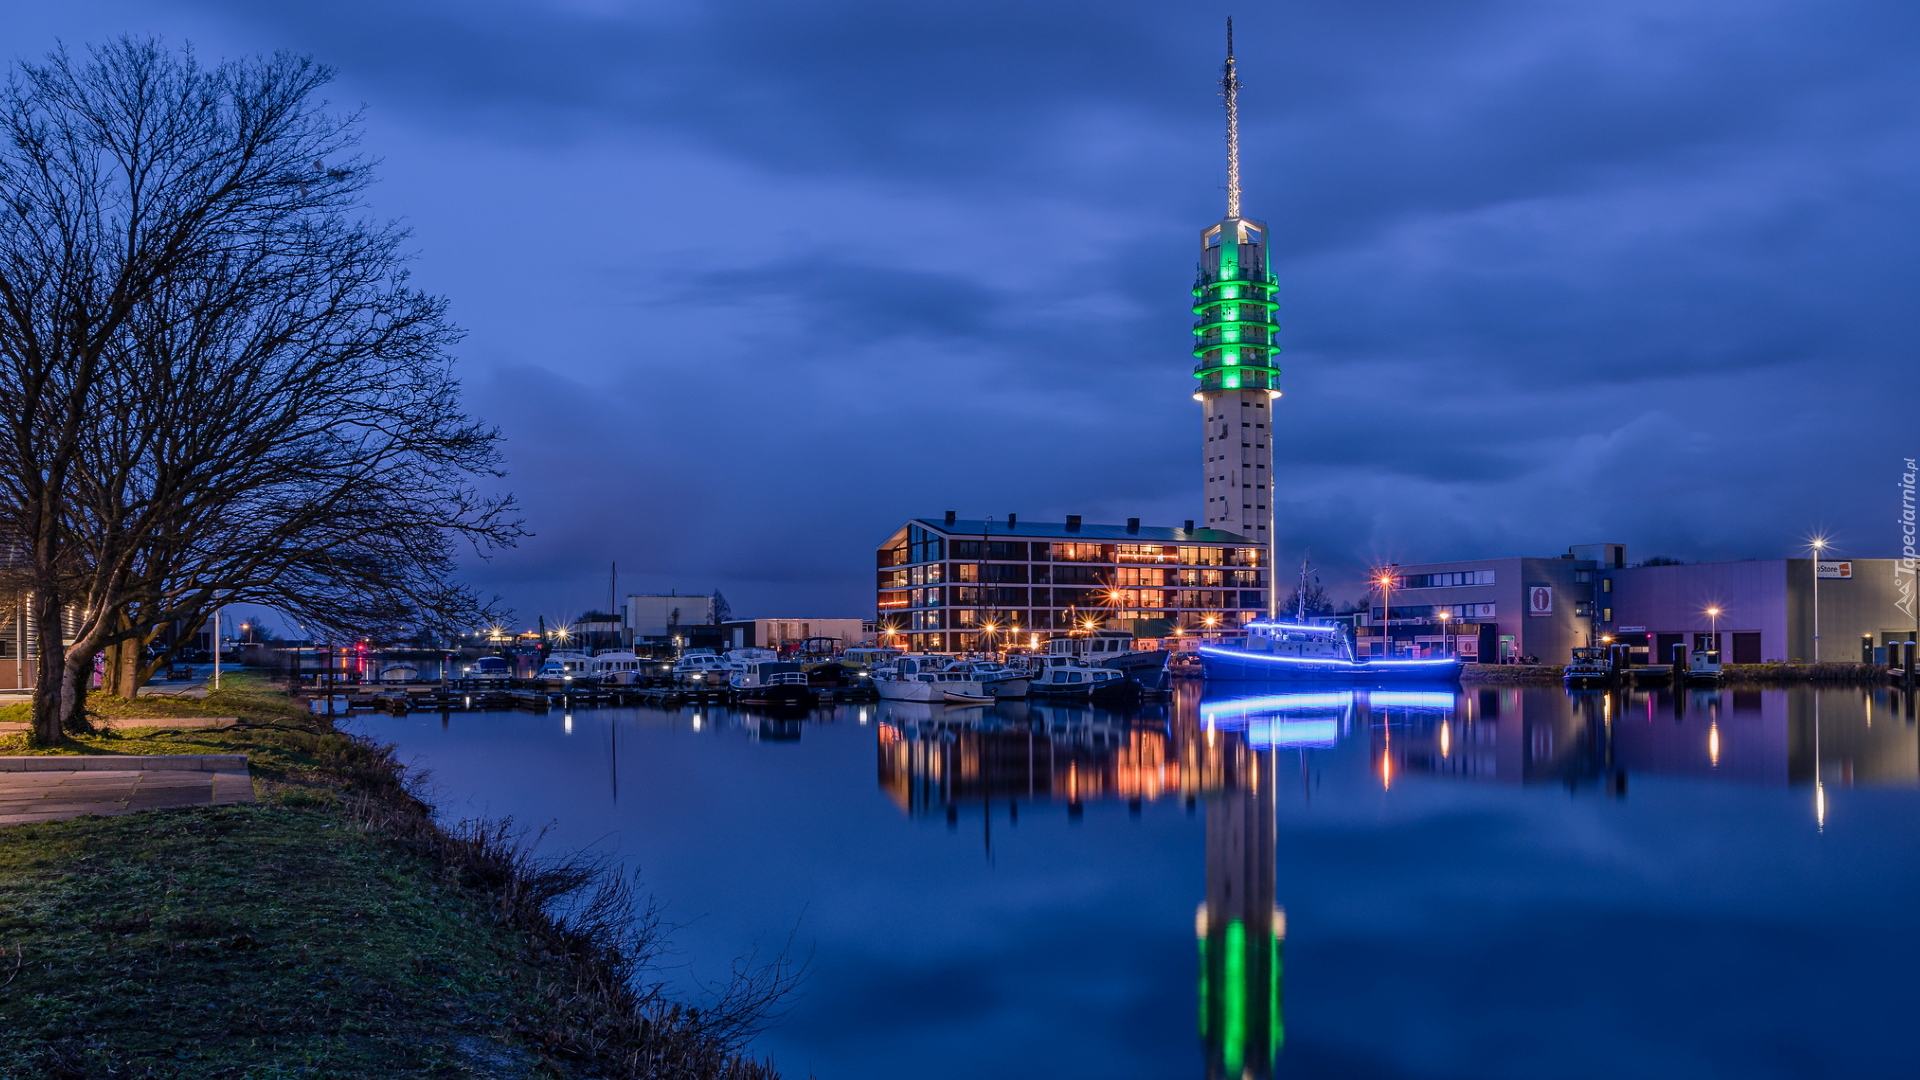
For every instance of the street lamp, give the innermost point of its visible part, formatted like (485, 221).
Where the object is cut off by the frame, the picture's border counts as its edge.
(1713, 630)
(1385, 580)
(1446, 638)
(1818, 544)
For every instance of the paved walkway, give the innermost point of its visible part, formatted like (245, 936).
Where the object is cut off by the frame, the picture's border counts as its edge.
(48, 788)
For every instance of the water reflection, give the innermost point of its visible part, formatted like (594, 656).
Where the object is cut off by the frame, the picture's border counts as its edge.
(1227, 751)
(995, 892)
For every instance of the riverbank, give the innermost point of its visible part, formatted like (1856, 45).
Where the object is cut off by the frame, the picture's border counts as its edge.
(1765, 674)
(1510, 673)
(331, 929)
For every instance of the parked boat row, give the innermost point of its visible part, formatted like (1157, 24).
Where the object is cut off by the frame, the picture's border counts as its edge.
(1594, 666)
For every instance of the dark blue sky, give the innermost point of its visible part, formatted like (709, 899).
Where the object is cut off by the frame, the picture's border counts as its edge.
(750, 283)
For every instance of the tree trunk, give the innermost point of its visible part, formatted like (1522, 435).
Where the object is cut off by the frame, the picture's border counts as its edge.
(73, 693)
(124, 674)
(50, 676)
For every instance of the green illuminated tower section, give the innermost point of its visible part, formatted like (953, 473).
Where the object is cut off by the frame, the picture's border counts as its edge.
(1235, 337)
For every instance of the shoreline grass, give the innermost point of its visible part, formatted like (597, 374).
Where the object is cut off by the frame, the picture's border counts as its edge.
(334, 929)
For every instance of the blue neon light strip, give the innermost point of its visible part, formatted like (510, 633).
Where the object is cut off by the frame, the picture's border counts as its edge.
(1351, 665)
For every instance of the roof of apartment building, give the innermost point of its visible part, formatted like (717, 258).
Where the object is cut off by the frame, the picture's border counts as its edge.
(967, 528)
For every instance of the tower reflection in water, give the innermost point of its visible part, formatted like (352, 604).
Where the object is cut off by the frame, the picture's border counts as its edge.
(1225, 752)
(956, 762)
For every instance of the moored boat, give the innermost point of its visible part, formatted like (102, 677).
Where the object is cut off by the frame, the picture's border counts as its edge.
(617, 668)
(922, 678)
(1703, 668)
(1276, 652)
(488, 669)
(1115, 649)
(1061, 675)
(702, 669)
(1590, 666)
(996, 680)
(771, 682)
(563, 669)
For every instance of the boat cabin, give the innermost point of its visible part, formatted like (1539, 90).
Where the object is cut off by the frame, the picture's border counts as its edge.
(1299, 640)
(1095, 646)
(566, 665)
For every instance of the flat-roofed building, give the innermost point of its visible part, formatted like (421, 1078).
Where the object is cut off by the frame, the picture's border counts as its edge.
(657, 619)
(787, 634)
(1489, 611)
(952, 584)
(1750, 611)
(1764, 609)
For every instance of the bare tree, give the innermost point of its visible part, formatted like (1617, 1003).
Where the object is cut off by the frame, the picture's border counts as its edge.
(215, 383)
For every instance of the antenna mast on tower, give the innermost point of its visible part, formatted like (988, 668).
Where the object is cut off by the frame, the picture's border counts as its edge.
(1230, 89)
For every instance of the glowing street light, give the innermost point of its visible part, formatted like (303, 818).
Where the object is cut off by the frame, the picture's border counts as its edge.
(1818, 544)
(1446, 637)
(1384, 579)
(1713, 627)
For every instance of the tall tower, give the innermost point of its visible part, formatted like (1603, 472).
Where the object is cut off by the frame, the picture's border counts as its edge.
(1235, 335)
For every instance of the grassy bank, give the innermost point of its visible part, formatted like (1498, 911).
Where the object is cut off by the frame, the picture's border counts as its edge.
(332, 930)
(1510, 673)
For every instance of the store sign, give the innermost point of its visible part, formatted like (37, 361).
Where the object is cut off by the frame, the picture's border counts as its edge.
(1633, 629)
(1540, 600)
(1836, 569)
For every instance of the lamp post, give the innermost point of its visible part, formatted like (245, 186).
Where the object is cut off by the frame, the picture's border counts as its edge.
(1713, 631)
(1385, 580)
(1818, 544)
(1446, 638)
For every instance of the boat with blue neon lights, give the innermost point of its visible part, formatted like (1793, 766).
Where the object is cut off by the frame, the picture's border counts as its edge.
(1277, 652)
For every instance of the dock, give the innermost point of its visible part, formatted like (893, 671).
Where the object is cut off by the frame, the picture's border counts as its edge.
(535, 696)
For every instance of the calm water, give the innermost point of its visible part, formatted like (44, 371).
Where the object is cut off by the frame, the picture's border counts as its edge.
(1496, 883)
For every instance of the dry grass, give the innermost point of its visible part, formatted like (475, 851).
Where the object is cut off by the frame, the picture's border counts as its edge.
(484, 958)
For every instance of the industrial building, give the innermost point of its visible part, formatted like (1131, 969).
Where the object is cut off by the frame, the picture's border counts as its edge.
(1751, 611)
(785, 634)
(654, 619)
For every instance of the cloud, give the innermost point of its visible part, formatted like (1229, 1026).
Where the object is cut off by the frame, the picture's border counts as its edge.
(1549, 273)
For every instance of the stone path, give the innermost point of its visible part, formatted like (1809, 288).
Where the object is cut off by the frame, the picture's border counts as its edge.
(121, 723)
(48, 788)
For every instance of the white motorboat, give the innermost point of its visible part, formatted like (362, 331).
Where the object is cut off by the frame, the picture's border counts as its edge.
(771, 682)
(615, 668)
(567, 668)
(1703, 667)
(924, 678)
(1114, 649)
(488, 669)
(703, 668)
(1069, 676)
(401, 671)
(996, 680)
